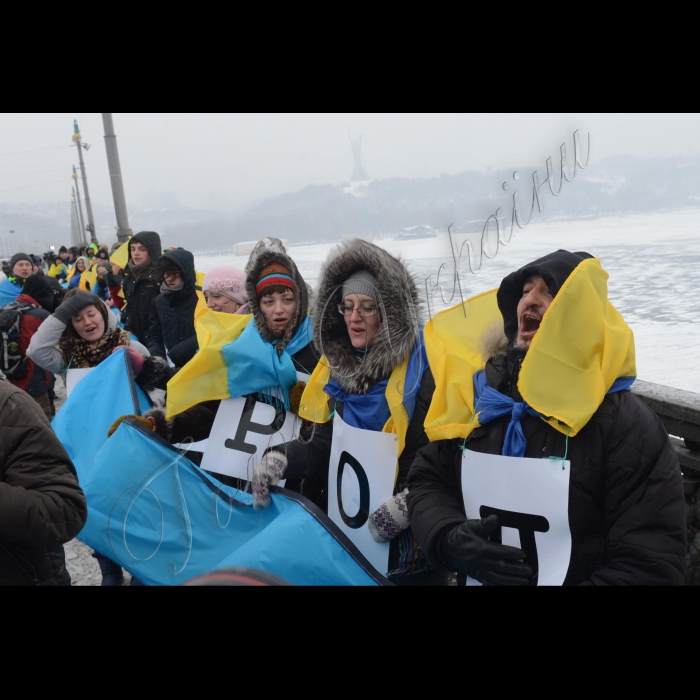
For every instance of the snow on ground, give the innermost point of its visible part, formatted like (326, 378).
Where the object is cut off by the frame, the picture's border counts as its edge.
(654, 266)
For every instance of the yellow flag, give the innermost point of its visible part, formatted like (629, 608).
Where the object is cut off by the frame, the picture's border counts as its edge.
(583, 346)
(205, 376)
(201, 308)
(120, 256)
(453, 345)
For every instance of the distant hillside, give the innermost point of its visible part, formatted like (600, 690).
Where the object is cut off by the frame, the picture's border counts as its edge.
(611, 186)
(385, 207)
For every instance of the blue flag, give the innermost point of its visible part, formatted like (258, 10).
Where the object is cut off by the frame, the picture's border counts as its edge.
(166, 521)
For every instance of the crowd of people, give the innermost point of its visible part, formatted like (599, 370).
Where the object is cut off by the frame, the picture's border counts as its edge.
(548, 375)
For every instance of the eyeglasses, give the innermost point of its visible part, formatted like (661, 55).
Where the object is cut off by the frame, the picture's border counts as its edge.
(363, 311)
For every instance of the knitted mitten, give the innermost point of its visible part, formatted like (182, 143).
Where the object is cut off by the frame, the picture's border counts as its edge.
(390, 519)
(154, 374)
(135, 357)
(268, 473)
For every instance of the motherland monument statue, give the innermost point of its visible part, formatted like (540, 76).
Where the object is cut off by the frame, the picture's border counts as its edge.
(359, 174)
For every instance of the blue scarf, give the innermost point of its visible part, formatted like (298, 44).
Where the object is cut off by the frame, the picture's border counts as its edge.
(491, 404)
(254, 367)
(371, 411)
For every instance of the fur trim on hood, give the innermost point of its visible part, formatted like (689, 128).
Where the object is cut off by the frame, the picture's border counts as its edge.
(270, 250)
(399, 305)
(493, 342)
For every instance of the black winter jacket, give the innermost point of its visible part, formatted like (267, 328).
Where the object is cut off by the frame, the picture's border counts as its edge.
(626, 506)
(41, 504)
(172, 315)
(139, 294)
(311, 459)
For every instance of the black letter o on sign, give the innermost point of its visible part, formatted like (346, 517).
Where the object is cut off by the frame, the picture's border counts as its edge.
(362, 516)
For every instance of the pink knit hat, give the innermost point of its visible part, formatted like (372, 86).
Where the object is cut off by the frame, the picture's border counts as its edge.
(229, 281)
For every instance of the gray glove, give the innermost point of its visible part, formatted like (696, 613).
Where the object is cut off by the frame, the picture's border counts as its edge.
(73, 306)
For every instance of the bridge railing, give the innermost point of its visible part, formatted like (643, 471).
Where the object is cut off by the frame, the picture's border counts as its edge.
(679, 411)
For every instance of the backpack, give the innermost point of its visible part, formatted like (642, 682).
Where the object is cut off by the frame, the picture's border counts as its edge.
(12, 363)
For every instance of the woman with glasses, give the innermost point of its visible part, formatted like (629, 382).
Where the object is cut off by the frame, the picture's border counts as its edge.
(171, 333)
(373, 375)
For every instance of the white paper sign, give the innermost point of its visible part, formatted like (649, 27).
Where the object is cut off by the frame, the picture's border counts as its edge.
(74, 377)
(531, 498)
(243, 429)
(366, 462)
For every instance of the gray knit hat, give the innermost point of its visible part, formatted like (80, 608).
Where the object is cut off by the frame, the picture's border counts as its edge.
(361, 282)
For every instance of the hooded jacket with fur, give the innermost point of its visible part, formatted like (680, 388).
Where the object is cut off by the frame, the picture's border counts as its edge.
(357, 373)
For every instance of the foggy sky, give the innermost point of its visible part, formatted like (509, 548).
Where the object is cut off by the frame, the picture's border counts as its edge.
(227, 161)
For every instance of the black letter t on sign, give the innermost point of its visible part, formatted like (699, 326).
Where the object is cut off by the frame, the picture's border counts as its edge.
(526, 525)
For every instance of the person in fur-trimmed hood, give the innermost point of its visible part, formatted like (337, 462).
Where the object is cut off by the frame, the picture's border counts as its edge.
(279, 302)
(555, 386)
(368, 328)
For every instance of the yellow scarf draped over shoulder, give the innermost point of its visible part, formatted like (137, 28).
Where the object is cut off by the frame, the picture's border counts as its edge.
(582, 347)
(314, 401)
(205, 376)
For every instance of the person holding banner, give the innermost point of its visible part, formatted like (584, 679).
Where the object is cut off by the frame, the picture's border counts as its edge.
(80, 335)
(254, 367)
(544, 469)
(368, 398)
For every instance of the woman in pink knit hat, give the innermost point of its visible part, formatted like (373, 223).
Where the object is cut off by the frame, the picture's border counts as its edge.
(225, 290)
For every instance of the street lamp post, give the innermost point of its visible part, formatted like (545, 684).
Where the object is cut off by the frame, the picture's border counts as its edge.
(124, 231)
(88, 205)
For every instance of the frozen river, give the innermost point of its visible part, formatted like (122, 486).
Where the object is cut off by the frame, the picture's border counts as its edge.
(653, 261)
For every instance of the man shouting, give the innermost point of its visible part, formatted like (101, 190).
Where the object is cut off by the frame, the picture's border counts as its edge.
(557, 386)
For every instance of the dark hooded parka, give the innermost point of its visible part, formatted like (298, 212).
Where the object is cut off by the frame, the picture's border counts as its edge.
(626, 506)
(141, 286)
(196, 423)
(41, 504)
(172, 312)
(358, 372)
